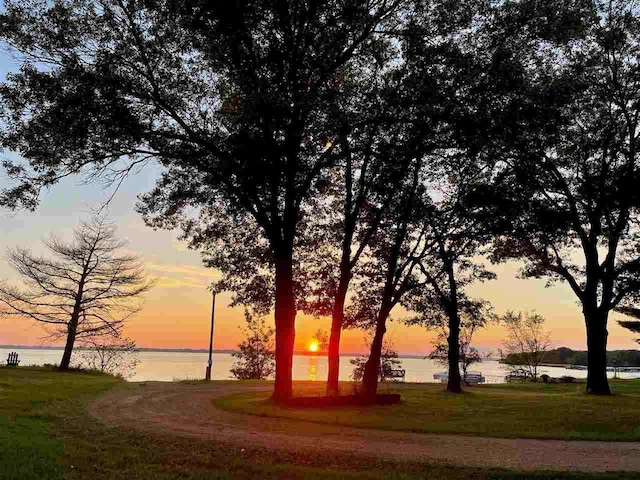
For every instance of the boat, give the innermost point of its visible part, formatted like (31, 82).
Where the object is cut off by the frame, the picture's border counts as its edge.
(473, 378)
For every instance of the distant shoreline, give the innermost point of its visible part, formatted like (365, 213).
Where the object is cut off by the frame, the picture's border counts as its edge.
(196, 350)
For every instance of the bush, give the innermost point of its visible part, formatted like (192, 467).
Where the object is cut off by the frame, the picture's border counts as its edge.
(388, 361)
(256, 356)
(114, 355)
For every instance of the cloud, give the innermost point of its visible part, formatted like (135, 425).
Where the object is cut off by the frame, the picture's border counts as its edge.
(175, 269)
(180, 246)
(181, 276)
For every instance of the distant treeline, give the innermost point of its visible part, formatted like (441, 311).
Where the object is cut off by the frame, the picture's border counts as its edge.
(566, 356)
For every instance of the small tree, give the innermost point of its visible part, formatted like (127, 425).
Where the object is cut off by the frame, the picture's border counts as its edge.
(256, 356)
(388, 361)
(113, 355)
(526, 343)
(85, 290)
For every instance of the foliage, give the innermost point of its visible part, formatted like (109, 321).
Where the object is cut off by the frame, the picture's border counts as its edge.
(114, 355)
(526, 344)
(256, 358)
(388, 361)
(322, 338)
(631, 325)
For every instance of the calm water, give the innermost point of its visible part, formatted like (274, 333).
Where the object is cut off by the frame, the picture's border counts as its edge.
(169, 366)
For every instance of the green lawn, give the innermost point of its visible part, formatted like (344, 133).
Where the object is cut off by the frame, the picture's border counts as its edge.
(45, 433)
(532, 410)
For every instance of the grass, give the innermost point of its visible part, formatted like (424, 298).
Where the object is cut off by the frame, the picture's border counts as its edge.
(45, 433)
(532, 410)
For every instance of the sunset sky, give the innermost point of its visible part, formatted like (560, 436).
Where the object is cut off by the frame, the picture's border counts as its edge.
(177, 310)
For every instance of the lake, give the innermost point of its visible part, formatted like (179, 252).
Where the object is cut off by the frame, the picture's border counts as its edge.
(170, 366)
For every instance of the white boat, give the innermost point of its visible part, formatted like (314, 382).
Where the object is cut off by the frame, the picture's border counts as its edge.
(473, 378)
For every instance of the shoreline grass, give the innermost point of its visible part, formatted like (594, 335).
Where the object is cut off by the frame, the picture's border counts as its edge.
(46, 433)
(531, 410)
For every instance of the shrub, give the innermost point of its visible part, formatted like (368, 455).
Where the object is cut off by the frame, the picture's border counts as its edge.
(256, 357)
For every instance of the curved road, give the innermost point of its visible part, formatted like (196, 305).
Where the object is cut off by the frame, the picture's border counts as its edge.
(188, 410)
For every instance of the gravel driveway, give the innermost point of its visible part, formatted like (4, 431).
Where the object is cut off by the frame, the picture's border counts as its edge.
(188, 410)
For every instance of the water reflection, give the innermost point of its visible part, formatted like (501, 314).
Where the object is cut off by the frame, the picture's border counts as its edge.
(312, 368)
(168, 366)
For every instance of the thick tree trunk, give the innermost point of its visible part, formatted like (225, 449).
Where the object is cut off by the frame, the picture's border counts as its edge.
(285, 316)
(372, 367)
(454, 384)
(337, 320)
(597, 382)
(71, 338)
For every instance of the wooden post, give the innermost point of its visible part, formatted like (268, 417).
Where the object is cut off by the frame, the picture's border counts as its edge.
(210, 363)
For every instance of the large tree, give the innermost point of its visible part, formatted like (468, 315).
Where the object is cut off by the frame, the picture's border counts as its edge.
(454, 237)
(569, 181)
(359, 193)
(450, 74)
(391, 268)
(232, 98)
(85, 290)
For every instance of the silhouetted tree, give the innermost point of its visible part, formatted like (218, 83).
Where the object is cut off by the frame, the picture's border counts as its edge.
(391, 269)
(232, 98)
(359, 193)
(453, 239)
(569, 177)
(85, 290)
(454, 80)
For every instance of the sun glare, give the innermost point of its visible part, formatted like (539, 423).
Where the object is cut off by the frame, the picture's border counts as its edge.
(313, 347)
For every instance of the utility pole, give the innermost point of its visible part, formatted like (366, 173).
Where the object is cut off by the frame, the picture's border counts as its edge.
(207, 375)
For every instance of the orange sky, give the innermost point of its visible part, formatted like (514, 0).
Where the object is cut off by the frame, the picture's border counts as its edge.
(177, 311)
(176, 314)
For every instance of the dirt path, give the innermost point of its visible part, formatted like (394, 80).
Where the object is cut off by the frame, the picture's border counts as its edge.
(188, 410)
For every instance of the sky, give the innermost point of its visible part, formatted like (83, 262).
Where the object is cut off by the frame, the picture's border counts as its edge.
(177, 311)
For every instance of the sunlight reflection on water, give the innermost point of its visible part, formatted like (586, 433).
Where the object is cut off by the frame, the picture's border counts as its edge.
(312, 368)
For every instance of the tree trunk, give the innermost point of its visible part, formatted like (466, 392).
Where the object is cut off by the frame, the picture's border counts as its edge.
(71, 338)
(454, 384)
(285, 315)
(597, 382)
(337, 320)
(372, 367)
(453, 355)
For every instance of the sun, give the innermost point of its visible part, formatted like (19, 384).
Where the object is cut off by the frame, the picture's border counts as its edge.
(313, 346)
